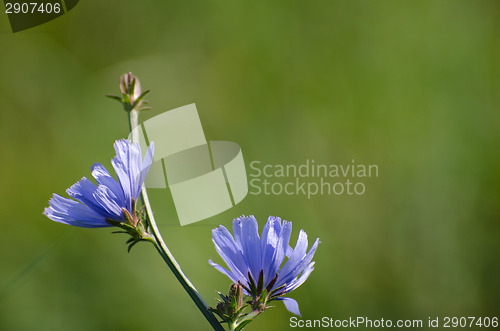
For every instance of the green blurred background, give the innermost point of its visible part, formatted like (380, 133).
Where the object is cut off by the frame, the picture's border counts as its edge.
(412, 86)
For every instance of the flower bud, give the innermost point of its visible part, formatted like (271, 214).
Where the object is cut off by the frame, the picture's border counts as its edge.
(236, 292)
(130, 85)
(132, 96)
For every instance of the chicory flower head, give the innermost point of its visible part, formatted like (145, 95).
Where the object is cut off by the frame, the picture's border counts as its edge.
(257, 263)
(109, 201)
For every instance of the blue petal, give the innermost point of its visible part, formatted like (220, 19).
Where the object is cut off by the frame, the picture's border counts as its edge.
(269, 241)
(246, 235)
(230, 252)
(303, 277)
(226, 272)
(83, 191)
(272, 228)
(130, 169)
(298, 261)
(291, 305)
(97, 198)
(109, 202)
(148, 159)
(103, 177)
(126, 168)
(280, 251)
(296, 256)
(67, 211)
(100, 199)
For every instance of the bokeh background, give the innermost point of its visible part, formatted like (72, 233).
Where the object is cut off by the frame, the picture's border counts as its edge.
(412, 86)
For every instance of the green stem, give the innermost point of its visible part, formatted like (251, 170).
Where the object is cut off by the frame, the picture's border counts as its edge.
(162, 247)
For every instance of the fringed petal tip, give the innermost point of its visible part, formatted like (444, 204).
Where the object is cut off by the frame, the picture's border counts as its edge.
(274, 219)
(67, 211)
(245, 218)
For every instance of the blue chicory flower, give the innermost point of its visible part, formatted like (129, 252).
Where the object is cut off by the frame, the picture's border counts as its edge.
(110, 199)
(250, 257)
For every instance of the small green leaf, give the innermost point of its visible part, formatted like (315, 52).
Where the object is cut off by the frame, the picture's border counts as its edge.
(240, 311)
(246, 288)
(132, 245)
(271, 283)
(251, 283)
(126, 99)
(136, 102)
(131, 87)
(277, 292)
(263, 297)
(114, 97)
(233, 305)
(222, 296)
(260, 282)
(243, 324)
